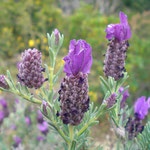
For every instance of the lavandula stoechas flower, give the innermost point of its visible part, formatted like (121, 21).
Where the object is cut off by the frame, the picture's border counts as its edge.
(39, 117)
(134, 125)
(74, 99)
(118, 34)
(45, 105)
(17, 141)
(43, 127)
(141, 107)
(5, 109)
(1, 116)
(3, 82)
(28, 120)
(125, 96)
(30, 69)
(111, 100)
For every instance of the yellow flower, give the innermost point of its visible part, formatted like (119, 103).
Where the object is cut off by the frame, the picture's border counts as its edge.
(31, 43)
(19, 38)
(50, 19)
(37, 92)
(93, 96)
(38, 41)
(59, 10)
(37, 2)
(45, 40)
(5, 29)
(47, 48)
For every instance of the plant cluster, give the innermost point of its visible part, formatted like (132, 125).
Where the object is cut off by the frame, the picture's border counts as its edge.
(68, 111)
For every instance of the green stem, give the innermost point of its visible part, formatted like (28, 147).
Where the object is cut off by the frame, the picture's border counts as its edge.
(71, 128)
(98, 114)
(33, 99)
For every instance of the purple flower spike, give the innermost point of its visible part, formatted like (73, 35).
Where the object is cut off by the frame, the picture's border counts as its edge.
(45, 106)
(148, 102)
(28, 120)
(40, 138)
(3, 82)
(30, 69)
(1, 116)
(17, 141)
(3, 103)
(39, 117)
(120, 31)
(125, 96)
(141, 107)
(79, 58)
(43, 127)
(13, 127)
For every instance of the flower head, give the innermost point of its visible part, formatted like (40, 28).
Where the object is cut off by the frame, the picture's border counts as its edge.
(43, 127)
(3, 103)
(28, 120)
(1, 116)
(40, 138)
(39, 117)
(79, 58)
(30, 69)
(125, 96)
(17, 141)
(141, 107)
(120, 31)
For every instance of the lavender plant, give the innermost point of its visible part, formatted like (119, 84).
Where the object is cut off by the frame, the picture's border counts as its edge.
(68, 111)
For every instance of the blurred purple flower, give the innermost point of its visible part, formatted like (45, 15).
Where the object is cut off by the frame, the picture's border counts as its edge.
(17, 141)
(17, 101)
(3, 103)
(141, 107)
(1, 116)
(13, 127)
(56, 32)
(43, 127)
(3, 82)
(79, 58)
(40, 138)
(39, 117)
(28, 120)
(120, 31)
(148, 102)
(125, 96)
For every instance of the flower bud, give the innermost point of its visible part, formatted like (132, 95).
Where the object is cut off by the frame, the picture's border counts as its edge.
(30, 69)
(111, 100)
(55, 40)
(43, 127)
(17, 141)
(133, 127)
(45, 106)
(3, 82)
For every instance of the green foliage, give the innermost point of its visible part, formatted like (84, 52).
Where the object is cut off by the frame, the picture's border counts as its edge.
(143, 139)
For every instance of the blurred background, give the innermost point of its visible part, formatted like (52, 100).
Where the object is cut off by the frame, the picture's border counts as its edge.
(24, 24)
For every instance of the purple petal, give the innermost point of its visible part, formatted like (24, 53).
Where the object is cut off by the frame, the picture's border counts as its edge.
(79, 58)
(123, 18)
(141, 107)
(28, 120)
(148, 102)
(125, 96)
(120, 31)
